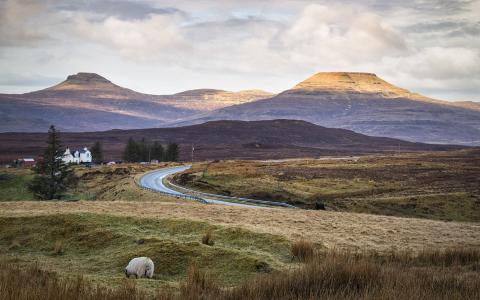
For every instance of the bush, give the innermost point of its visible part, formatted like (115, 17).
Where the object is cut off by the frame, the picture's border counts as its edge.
(207, 239)
(302, 250)
(199, 285)
(58, 249)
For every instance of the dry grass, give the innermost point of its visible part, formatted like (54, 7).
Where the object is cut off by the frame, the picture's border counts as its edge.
(332, 275)
(331, 229)
(302, 250)
(442, 186)
(368, 276)
(31, 282)
(208, 239)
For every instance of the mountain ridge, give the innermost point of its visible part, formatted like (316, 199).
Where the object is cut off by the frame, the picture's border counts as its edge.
(354, 101)
(226, 140)
(90, 102)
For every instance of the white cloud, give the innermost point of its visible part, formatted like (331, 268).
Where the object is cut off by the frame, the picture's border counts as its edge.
(426, 46)
(137, 39)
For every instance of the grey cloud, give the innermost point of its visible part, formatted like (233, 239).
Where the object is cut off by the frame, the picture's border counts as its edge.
(10, 79)
(126, 10)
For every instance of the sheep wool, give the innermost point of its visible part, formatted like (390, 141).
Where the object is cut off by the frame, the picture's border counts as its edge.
(140, 267)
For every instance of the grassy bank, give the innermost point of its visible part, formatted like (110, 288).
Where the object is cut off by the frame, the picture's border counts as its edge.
(106, 183)
(100, 246)
(13, 184)
(442, 186)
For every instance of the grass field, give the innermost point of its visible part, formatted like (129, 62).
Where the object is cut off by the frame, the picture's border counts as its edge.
(64, 248)
(442, 186)
(101, 245)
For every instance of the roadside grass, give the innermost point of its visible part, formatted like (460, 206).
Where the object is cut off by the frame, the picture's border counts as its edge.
(105, 183)
(100, 246)
(13, 184)
(441, 186)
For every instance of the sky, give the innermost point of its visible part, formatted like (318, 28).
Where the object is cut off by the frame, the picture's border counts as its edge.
(163, 47)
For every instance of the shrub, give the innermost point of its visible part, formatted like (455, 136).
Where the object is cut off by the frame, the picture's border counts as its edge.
(207, 238)
(58, 248)
(302, 250)
(199, 285)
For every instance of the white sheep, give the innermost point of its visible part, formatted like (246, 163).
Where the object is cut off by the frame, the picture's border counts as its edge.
(140, 267)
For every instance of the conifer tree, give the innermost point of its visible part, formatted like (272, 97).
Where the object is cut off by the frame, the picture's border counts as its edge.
(131, 153)
(53, 177)
(97, 153)
(172, 153)
(157, 151)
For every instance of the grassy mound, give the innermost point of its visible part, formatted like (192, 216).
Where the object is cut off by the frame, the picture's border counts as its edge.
(100, 246)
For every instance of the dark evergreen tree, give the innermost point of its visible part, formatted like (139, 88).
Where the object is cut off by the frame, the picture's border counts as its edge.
(172, 153)
(144, 150)
(157, 152)
(131, 152)
(97, 153)
(53, 177)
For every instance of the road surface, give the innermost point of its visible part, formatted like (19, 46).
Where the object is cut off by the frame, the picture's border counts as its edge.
(154, 181)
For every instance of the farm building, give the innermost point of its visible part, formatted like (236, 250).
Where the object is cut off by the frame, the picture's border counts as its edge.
(77, 157)
(26, 162)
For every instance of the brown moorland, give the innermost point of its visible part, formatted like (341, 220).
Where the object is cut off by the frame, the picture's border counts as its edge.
(225, 140)
(441, 185)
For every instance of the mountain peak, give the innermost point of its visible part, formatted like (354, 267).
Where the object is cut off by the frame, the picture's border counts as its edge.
(84, 81)
(351, 82)
(86, 78)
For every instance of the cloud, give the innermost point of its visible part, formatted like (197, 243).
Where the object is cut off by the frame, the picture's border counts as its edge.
(156, 35)
(125, 10)
(421, 44)
(18, 22)
(346, 34)
(441, 63)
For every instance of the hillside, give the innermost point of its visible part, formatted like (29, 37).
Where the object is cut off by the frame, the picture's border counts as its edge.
(90, 102)
(364, 103)
(225, 139)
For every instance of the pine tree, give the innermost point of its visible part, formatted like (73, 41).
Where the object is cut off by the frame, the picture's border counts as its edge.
(97, 153)
(157, 151)
(144, 150)
(172, 152)
(53, 176)
(131, 153)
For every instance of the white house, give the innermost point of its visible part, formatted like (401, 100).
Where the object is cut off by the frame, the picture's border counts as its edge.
(77, 157)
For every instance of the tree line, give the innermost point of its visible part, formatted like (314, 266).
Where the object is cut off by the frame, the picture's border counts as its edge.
(139, 151)
(53, 177)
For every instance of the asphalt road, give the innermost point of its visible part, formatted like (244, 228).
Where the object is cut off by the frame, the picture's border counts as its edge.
(154, 180)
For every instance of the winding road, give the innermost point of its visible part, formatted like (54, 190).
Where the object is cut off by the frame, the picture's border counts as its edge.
(154, 181)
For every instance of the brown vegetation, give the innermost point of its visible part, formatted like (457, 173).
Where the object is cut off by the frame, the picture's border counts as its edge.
(331, 275)
(302, 250)
(332, 229)
(207, 238)
(443, 185)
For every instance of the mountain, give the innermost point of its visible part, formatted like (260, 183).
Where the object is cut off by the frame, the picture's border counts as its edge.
(90, 102)
(224, 140)
(203, 100)
(364, 103)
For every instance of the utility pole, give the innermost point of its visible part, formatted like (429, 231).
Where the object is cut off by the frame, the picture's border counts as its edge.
(193, 149)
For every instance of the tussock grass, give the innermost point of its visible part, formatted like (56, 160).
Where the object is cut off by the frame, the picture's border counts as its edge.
(330, 275)
(31, 282)
(208, 239)
(302, 250)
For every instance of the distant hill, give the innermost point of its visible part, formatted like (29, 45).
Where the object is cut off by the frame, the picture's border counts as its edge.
(90, 102)
(225, 139)
(364, 103)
